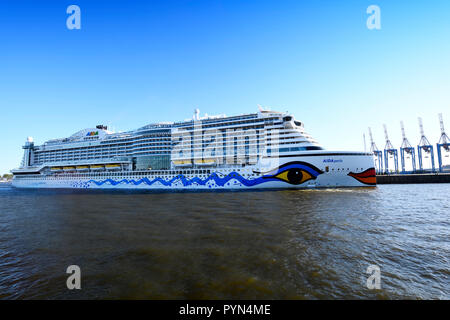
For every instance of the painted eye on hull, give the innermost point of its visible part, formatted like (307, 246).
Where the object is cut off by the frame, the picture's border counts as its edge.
(296, 172)
(294, 176)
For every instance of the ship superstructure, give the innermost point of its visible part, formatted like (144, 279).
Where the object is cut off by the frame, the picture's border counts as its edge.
(211, 152)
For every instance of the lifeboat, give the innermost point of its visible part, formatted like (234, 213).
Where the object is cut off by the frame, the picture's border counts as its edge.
(82, 168)
(182, 163)
(56, 169)
(113, 167)
(205, 162)
(68, 168)
(97, 167)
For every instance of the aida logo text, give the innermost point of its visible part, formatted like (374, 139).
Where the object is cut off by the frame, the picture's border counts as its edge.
(332, 160)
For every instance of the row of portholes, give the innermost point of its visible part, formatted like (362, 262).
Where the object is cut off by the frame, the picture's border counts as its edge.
(327, 169)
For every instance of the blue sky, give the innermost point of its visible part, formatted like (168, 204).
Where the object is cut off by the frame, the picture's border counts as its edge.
(137, 62)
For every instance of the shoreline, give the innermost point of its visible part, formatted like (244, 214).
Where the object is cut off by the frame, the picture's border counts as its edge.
(413, 178)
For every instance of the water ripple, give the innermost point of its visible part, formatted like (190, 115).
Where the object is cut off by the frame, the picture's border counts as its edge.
(312, 244)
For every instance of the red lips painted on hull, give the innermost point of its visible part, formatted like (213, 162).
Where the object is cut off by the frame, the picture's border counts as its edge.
(367, 177)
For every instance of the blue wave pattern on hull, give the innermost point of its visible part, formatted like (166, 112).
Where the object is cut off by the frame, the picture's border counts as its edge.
(273, 176)
(188, 182)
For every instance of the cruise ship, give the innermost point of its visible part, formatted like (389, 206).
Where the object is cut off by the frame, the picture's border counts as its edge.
(265, 149)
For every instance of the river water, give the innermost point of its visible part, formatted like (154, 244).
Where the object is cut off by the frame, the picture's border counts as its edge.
(314, 244)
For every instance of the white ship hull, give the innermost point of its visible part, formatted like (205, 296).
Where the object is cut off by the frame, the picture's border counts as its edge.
(317, 170)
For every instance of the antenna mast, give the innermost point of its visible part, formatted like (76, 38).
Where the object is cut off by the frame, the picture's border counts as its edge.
(364, 138)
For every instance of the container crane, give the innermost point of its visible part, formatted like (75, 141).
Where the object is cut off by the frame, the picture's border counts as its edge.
(424, 149)
(377, 153)
(389, 152)
(406, 151)
(443, 144)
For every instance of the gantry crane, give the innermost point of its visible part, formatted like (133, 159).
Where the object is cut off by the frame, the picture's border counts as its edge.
(406, 151)
(424, 148)
(443, 144)
(377, 153)
(389, 150)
